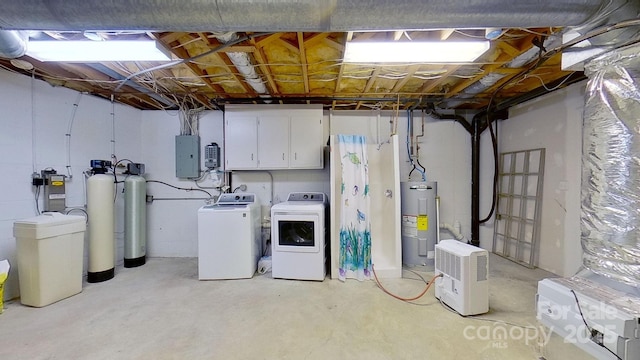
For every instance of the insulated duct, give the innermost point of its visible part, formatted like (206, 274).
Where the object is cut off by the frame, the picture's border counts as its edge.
(292, 15)
(492, 78)
(242, 62)
(611, 166)
(13, 44)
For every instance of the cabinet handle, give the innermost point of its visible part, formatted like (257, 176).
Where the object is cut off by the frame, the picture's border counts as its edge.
(282, 156)
(251, 156)
(295, 156)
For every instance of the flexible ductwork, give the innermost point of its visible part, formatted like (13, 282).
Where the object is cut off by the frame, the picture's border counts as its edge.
(13, 44)
(291, 15)
(242, 62)
(611, 166)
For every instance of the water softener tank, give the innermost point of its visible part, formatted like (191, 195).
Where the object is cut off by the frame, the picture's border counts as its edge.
(419, 222)
(135, 221)
(100, 194)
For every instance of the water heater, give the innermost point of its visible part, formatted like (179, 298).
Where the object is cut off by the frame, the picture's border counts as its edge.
(419, 222)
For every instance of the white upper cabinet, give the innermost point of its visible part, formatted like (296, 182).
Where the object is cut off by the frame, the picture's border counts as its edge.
(241, 146)
(270, 137)
(306, 142)
(273, 142)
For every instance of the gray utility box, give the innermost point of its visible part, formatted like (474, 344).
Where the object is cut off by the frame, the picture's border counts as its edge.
(187, 156)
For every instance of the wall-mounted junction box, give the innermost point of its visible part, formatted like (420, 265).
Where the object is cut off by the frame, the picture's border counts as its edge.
(187, 156)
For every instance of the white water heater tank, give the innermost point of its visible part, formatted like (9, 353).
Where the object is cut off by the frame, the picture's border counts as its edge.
(100, 195)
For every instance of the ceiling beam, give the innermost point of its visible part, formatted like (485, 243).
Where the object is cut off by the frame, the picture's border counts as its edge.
(266, 71)
(133, 84)
(229, 65)
(169, 75)
(183, 54)
(446, 33)
(233, 71)
(269, 39)
(294, 49)
(333, 44)
(86, 72)
(430, 85)
(400, 83)
(370, 82)
(238, 48)
(170, 37)
(502, 58)
(341, 71)
(315, 39)
(508, 48)
(303, 61)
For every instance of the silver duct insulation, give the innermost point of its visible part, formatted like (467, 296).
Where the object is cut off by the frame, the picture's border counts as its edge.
(611, 166)
(242, 62)
(13, 44)
(291, 15)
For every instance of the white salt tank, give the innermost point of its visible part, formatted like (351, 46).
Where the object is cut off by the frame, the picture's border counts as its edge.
(49, 252)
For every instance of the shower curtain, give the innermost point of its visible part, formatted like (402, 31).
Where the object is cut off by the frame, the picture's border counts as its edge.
(355, 225)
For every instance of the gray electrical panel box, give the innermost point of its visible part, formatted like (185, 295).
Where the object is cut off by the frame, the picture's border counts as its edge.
(187, 156)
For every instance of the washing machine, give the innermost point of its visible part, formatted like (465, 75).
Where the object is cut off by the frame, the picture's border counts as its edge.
(229, 245)
(299, 237)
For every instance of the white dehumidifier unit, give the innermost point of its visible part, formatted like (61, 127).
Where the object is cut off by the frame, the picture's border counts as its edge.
(464, 284)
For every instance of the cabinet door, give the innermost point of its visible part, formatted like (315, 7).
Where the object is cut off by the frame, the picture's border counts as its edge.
(241, 142)
(273, 142)
(307, 142)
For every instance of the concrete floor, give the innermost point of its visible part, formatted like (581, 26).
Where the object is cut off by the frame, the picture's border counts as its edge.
(161, 311)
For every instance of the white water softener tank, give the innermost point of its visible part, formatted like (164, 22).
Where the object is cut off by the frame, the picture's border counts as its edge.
(100, 194)
(419, 222)
(135, 221)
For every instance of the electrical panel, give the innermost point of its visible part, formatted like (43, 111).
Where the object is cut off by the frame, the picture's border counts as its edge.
(212, 156)
(54, 191)
(187, 156)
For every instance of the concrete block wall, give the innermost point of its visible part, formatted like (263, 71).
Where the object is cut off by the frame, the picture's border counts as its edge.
(553, 121)
(35, 118)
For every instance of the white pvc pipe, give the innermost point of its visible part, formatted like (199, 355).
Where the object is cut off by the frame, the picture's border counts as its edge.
(455, 232)
(438, 218)
(68, 134)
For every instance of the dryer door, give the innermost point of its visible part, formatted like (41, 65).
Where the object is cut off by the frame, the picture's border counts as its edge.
(296, 232)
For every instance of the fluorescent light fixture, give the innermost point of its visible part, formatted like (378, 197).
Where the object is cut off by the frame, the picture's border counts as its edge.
(96, 51)
(415, 51)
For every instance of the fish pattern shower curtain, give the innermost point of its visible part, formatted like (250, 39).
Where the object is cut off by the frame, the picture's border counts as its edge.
(355, 225)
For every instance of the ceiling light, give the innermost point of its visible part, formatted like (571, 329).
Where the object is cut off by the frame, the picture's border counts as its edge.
(96, 51)
(415, 51)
